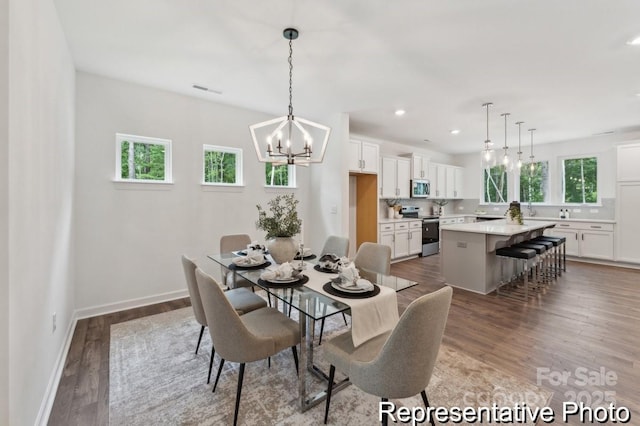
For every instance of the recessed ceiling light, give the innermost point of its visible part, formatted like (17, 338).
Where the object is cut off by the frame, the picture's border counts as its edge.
(400, 112)
(206, 89)
(455, 131)
(634, 41)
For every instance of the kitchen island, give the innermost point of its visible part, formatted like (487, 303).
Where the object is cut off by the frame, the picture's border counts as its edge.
(468, 255)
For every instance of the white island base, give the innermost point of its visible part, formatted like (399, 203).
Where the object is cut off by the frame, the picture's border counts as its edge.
(468, 255)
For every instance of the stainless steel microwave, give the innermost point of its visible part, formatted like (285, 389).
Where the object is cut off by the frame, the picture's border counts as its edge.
(420, 188)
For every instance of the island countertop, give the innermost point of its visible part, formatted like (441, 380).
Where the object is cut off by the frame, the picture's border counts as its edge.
(498, 227)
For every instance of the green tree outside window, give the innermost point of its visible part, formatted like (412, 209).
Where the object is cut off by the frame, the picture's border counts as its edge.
(142, 161)
(534, 183)
(277, 174)
(220, 167)
(495, 184)
(580, 183)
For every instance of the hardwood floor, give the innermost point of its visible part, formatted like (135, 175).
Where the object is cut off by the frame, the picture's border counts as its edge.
(585, 323)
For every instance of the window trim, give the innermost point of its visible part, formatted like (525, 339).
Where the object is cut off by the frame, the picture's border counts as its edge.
(561, 161)
(168, 172)
(239, 164)
(291, 177)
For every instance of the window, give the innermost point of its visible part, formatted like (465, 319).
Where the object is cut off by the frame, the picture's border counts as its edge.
(142, 159)
(534, 182)
(280, 175)
(221, 165)
(495, 184)
(580, 180)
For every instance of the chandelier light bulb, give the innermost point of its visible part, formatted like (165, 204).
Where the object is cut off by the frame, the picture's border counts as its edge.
(519, 163)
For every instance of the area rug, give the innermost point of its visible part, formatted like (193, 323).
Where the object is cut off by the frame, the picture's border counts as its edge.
(155, 378)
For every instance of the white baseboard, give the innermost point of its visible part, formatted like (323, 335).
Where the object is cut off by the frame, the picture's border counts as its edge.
(54, 380)
(78, 314)
(130, 304)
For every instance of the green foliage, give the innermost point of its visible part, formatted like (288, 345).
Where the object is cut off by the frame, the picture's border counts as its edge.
(495, 184)
(220, 167)
(283, 221)
(142, 161)
(534, 183)
(580, 180)
(277, 175)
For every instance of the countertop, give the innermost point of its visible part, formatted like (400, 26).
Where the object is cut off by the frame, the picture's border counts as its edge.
(491, 216)
(498, 227)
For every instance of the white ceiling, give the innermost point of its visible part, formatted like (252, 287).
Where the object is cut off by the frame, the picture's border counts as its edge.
(562, 67)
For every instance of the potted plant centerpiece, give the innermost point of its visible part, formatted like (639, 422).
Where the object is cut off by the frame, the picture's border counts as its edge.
(514, 214)
(281, 226)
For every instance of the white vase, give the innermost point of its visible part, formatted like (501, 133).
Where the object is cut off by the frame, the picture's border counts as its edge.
(390, 212)
(282, 249)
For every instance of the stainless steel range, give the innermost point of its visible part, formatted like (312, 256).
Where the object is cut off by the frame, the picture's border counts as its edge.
(430, 229)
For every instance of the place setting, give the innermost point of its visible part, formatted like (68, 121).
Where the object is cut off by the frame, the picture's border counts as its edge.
(284, 275)
(330, 263)
(252, 259)
(306, 255)
(348, 284)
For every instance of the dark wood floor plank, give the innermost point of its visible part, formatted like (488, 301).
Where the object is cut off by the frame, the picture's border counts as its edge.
(589, 319)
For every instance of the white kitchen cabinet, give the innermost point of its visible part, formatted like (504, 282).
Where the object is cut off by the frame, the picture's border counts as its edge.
(387, 236)
(396, 177)
(446, 181)
(586, 239)
(419, 167)
(363, 157)
(415, 237)
(628, 225)
(401, 241)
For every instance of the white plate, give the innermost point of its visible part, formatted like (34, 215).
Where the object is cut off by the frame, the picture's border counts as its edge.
(349, 289)
(284, 280)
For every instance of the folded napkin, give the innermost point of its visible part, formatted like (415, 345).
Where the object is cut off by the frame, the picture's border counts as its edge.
(359, 284)
(332, 261)
(305, 251)
(282, 272)
(256, 246)
(252, 258)
(349, 274)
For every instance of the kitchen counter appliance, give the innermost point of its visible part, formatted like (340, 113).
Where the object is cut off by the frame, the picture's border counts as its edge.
(430, 229)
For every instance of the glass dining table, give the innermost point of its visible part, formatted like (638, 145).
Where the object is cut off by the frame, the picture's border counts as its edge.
(311, 306)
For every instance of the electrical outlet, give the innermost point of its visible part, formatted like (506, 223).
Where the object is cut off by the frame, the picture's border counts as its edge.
(594, 211)
(53, 320)
(460, 207)
(334, 209)
(577, 210)
(495, 209)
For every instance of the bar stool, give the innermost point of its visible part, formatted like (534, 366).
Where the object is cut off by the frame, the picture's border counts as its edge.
(516, 253)
(560, 251)
(541, 257)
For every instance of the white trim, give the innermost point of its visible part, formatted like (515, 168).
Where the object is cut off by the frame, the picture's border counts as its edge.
(168, 162)
(129, 304)
(56, 374)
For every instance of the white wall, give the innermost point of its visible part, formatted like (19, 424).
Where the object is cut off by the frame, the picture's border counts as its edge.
(130, 236)
(603, 148)
(41, 168)
(4, 212)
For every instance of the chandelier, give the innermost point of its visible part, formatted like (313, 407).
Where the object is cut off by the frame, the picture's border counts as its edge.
(289, 139)
(519, 124)
(532, 165)
(506, 162)
(488, 156)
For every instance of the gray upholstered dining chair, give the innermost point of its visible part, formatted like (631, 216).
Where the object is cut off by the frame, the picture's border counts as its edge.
(241, 299)
(374, 258)
(229, 243)
(399, 363)
(251, 337)
(336, 245)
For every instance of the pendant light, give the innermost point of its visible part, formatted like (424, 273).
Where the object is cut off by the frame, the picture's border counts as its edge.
(506, 161)
(519, 163)
(488, 155)
(292, 136)
(532, 165)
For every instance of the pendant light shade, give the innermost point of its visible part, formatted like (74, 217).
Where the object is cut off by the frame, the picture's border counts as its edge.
(290, 139)
(519, 162)
(506, 161)
(532, 165)
(488, 154)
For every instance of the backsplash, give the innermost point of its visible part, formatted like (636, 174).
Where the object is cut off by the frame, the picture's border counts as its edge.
(606, 211)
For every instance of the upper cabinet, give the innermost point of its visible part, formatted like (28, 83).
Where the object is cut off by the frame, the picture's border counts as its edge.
(396, 177)
(628, 160)
(363, 157)
(419, 167)
(446, 181)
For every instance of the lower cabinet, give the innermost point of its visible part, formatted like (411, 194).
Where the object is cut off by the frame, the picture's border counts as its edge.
(586, 239)
(404, 238)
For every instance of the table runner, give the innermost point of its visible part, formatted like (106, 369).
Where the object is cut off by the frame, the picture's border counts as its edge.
(370, 317)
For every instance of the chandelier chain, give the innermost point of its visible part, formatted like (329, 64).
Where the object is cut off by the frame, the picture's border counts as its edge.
(290, 77)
